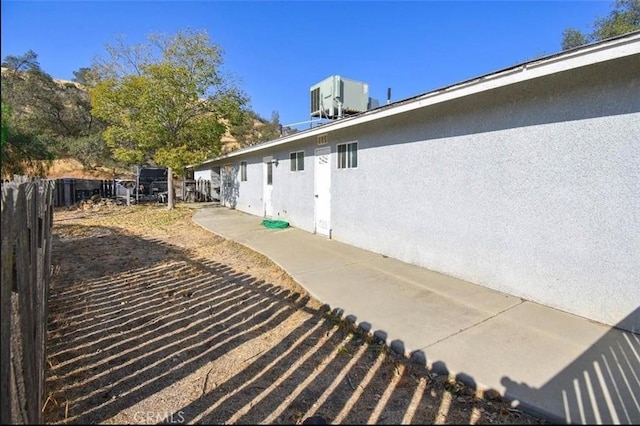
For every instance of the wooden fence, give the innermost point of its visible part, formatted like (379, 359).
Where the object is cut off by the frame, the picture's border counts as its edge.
(27, 216)
(70, 191)
(203, 190)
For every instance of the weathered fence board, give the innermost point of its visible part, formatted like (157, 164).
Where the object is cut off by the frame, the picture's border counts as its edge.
(27, 216)
(203, 190)
(7, 257)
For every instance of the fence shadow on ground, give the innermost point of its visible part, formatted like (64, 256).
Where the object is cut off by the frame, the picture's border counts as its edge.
(601, 386)
(117, 340)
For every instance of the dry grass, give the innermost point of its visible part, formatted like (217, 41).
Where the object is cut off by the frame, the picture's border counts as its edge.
(70, 168)
(155, 320)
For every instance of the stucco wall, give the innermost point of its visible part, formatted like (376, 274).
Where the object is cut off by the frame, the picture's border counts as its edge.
(532, 190)
(202, 174)
(293, 191)
(242, 195)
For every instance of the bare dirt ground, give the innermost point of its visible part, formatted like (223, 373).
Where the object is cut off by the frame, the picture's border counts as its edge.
(155, 320)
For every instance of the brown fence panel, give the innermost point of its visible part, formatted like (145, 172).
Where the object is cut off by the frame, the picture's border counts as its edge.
(27, 216)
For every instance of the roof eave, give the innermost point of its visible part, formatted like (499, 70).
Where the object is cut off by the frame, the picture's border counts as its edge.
(618, 47)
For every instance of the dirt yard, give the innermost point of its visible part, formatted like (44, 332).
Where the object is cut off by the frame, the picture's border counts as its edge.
(155, 320)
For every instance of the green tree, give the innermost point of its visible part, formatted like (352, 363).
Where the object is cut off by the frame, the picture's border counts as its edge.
(245, 129)
(253, 129)
(25, 148)
(22, 153)
(573, 38)
(83, 76)
(167, 101)
(24, 62)
(623, 19)
(57, 113)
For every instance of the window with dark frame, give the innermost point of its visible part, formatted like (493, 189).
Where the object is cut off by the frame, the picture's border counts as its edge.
(269, 173)
(348, 155)
(297, 161)
(243, 171)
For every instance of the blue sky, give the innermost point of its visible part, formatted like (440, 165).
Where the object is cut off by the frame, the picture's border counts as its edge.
(278, 50)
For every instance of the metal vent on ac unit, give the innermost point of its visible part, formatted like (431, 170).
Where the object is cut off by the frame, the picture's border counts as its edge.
(337, 97)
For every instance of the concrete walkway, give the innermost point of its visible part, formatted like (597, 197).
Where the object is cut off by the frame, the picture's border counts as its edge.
(550, 363)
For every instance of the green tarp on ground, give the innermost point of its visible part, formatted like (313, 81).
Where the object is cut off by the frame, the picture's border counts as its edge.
(275, 224)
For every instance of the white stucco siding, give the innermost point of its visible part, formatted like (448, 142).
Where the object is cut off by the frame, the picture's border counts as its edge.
(228, 182)
(246, 195)
(204, 174)
(531, 190)
(293, 191)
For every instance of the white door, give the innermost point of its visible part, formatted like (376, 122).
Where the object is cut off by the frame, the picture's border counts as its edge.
(322, 185)
(267, 193)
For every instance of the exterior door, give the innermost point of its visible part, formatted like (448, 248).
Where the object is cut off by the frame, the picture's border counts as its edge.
(267, 193)
(322, 186)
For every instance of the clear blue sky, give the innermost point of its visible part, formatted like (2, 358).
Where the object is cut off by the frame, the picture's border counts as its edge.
(279, 49)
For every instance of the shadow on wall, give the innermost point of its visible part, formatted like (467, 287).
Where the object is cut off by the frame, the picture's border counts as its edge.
(602, 386)
(230, 188)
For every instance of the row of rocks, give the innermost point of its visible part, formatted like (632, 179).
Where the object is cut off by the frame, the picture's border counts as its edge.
(96, 202)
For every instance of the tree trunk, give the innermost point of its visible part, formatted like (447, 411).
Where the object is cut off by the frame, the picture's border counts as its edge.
(170, 188)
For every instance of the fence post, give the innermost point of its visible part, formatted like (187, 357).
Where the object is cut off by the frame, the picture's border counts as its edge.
(27, 216)
(7, 256)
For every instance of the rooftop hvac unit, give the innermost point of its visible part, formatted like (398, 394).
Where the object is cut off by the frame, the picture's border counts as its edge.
(336, 97)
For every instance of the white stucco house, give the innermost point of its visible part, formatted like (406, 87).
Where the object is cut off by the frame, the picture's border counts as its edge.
(525, 180)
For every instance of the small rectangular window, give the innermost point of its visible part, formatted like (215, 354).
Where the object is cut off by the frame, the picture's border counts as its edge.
(243, 171)
(348, 155)
(297, 161)
(269, 173)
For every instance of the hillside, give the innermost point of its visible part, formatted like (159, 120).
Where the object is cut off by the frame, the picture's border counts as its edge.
(61, 109)
(229, 141)
(70, 168)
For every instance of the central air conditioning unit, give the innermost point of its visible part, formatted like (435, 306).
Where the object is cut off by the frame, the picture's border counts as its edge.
(337, 97)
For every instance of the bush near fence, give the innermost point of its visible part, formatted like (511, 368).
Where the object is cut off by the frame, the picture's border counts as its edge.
(27, 216)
